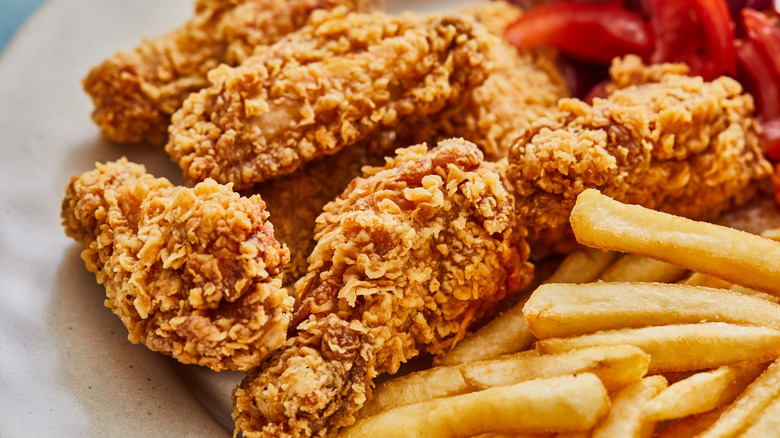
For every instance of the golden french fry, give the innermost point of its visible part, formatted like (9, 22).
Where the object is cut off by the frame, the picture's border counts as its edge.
(616, 366)
(683, 347)
(754, 293)
(703, 392)
(578, 434)
(416, 387)
(627, 416)
(690, 427)
(563, 404)
(582, 266)
(506, 333)
(733, 255)
(706, 280)
(747, 408)
(632, 267)
(558, 310)
(767, 424)
(514, 435)
(773, 234)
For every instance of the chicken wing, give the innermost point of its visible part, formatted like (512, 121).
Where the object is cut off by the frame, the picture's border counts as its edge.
(192, 273)
(323, 88)
(136, 92)
(407, 258)
(660, 139)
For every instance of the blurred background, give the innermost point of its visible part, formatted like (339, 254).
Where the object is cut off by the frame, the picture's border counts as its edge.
(13, 14)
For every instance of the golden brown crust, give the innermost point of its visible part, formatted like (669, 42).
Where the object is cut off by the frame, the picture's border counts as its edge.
(661, 139)
(322, 89)
(313, 386)
(136, 92)
(408, 257)
(192, 273)
(417, 251)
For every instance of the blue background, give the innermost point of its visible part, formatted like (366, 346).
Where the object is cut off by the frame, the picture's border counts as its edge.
(13, 14)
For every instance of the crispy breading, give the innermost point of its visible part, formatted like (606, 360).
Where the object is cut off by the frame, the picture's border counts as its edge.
(411, 255)
(295, 200)
(135, 92)
(324, 88)
(521, 87)
(194, 273)
(311, 387)
(660, 139)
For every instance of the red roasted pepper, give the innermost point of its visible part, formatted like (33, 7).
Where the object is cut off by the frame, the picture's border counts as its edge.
(593, 32)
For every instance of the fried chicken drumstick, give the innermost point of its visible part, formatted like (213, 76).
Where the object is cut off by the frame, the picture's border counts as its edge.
(324, 88)
(660, 139)
(192, 273)
(136, 92)
(407, 258)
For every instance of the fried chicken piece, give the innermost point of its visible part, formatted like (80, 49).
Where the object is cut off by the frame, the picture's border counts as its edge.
(521, 87)
(136, 92)
(298, 198)
(324, 88)
(194, 273)
(660, 139)
(407, 258)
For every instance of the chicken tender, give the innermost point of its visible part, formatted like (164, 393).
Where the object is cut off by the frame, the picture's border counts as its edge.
(194, 273)
(324, 88)
(136, 92)
(407, 259)
(660, 139)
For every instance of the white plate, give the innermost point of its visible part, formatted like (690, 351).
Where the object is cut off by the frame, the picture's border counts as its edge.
(66, 367)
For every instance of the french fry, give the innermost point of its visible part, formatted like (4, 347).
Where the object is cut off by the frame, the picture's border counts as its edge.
(773, 234)
(632, 267)
(627, 416)
(616, 366)
(565, 403)
(754, 293)
(559, 310)
(747, 408)
(506, 333)
(690, 427)
(703, 392)
(767, 424)
(706, 280)
(582, 266)
(415, 387)
(682, 347)
(733, 255)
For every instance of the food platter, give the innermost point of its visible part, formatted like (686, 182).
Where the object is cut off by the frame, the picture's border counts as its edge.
(66, 367)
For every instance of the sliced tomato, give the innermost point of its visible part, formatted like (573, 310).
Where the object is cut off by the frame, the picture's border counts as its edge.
(593, 32)
(771, 137)
(759, 79)
(697, 32)
(765, 35)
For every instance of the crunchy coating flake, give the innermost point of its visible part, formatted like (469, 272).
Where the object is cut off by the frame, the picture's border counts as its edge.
(136, 92)
(660, 139)
(409, 255)
(522, 87)
(312, 386)
(323, 88)
(194, 273)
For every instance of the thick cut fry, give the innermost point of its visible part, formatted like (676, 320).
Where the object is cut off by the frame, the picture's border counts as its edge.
(616, 366)
(754, 293)
(419, 386)
(683, 347)
(767, 424)
(706, 280)
(582, 266)
(563, 404)
(627, 416)
(690, 427)
(773, 234)
(506, 333)
(632, 267)
(559, 310)
(733, 255)
(703, 392)
(746, 410)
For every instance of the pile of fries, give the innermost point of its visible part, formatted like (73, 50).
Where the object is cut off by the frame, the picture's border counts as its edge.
(678, 338)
